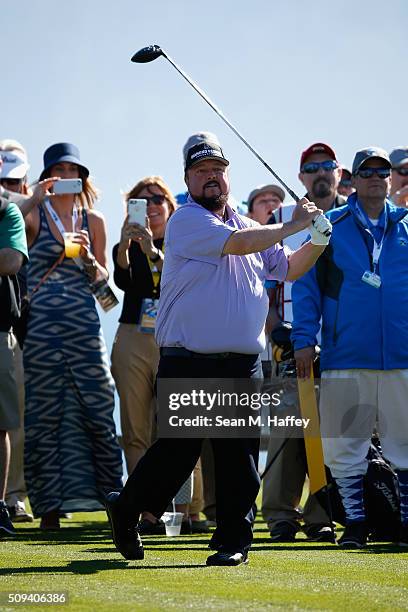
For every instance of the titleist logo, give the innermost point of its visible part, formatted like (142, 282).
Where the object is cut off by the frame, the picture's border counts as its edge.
(381, 486)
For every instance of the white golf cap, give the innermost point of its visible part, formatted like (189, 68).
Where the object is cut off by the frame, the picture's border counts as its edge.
(15, 164)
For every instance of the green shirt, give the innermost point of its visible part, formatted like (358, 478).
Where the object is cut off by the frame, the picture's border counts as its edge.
(12, 230)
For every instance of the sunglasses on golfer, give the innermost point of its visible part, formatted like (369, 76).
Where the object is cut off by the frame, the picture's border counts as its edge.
(155, 199)
(345, 182)
(313, 167)
(366, 173)
(401, 171)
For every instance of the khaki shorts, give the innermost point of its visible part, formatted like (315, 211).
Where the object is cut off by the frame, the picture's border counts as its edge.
(9, 413)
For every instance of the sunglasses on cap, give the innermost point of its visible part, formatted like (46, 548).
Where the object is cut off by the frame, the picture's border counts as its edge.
(401, 171)
(155, 199)
(366, 173)
(313, 167)
(11, 181)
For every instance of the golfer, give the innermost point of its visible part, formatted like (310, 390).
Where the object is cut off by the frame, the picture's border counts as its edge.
(210, 324)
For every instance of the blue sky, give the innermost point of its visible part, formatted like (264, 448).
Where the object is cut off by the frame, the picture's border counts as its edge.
(286, 73)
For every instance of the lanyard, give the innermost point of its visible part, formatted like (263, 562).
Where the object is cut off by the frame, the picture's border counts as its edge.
(155, 274)
(377, 247)
(100, 288)
(377, 252)
(55, 217)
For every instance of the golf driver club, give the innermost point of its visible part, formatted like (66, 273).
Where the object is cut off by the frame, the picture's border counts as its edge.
(148, 54)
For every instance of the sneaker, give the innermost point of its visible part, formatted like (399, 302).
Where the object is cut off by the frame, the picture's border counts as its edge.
(227, 558)
(19, 514)
(354, 536)
(6, 526)
(125, 537)
(320, 532)
(403, 535)
(146, 527)
(284, 531)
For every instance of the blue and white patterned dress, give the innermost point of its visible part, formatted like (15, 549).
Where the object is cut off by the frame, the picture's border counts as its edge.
(72, 456)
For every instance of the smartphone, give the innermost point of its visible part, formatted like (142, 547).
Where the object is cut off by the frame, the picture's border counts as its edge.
(67, 186)
(137, 211)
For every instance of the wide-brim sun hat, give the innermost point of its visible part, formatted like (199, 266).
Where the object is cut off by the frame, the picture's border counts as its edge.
(62, 152)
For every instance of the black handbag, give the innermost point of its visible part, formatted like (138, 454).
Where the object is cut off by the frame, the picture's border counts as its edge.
(21, 324)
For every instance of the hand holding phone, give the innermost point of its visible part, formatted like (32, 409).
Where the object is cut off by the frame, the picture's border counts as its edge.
(63, 186)
(137, 211)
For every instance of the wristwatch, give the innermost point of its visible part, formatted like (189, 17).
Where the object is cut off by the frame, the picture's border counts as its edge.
(155, 257)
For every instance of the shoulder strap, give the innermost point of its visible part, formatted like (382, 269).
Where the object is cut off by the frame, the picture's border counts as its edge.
(47, 274)
(14, 289)
(3, 206)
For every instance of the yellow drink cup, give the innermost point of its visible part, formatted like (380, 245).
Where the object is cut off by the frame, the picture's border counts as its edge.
(72, 249)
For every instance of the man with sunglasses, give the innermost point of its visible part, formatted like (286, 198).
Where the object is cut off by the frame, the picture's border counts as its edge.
(399, 176)
(355, 289)
(345, 187)
(320, 174)
(14, 167)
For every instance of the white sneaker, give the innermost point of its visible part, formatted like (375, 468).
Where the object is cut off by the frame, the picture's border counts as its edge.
(19, 514)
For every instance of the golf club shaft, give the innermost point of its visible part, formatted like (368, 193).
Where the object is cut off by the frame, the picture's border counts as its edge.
(276, 455)
(224, 118)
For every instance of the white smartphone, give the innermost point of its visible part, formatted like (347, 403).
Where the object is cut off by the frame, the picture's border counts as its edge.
(67, 186)
(137, 211)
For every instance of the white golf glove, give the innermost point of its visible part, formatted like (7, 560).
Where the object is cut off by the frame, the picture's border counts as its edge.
(320, 230)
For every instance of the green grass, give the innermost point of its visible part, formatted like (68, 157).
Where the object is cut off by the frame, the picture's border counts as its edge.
(81, 560)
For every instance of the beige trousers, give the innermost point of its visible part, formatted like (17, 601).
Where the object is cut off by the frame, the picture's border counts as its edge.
(197, 502)
(283, 486)
(16, 489)
(135, 357)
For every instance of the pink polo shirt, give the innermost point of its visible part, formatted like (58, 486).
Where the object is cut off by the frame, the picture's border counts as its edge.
(209, 302)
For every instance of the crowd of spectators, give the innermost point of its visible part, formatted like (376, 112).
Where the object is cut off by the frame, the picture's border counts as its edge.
(203, 288)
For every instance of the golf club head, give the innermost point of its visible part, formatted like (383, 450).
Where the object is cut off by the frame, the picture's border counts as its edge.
(147, 54)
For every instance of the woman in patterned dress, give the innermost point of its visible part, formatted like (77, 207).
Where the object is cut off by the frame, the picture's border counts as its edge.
(71, 453)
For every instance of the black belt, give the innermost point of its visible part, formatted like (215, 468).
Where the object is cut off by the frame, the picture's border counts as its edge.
(178, 351)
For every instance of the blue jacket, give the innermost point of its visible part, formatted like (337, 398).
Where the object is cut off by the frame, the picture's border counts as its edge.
(362, 326)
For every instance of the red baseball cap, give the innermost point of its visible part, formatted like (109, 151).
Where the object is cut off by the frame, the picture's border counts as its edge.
(317, 147)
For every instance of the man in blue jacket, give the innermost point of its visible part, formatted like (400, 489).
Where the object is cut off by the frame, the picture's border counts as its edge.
(358, 290)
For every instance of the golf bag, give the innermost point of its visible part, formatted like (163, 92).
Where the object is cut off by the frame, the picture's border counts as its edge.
(381, 498)
(381, 495)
